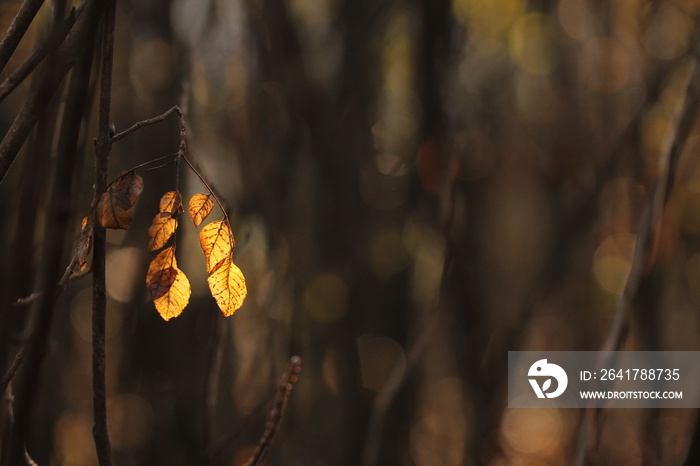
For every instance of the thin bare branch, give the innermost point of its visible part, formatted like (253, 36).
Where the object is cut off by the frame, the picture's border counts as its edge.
(385, 397)
(68, 275)
(50, 44)
(10, 398)
(182, 151)
(11, 371)
(148, 122)
(37, 102)
(16, 31)
(648, 231)
(29, 299)
(28, 459)
(649, 225)
(274, 420)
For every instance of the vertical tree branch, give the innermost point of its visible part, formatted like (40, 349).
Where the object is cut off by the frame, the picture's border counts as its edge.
(16, 31)
(99, 297)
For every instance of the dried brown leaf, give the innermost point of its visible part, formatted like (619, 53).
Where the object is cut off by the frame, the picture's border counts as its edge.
(85, 244)
(168, 285)
(171, 202)
(161, 229)
(227, 286)
(115, 207)
(200, 207)
(217, 243)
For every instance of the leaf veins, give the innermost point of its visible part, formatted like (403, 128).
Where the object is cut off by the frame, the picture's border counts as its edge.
(227, 286)
(217, 243)
(200, 207)
(161, 229)
(171, 202)
(115, 207)
(168, 285)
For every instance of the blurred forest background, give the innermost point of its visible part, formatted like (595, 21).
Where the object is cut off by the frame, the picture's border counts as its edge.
(415, 188)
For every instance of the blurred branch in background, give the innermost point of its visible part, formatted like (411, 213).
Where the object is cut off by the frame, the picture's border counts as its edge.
(646, 245)
(17, 29)
(415, 188)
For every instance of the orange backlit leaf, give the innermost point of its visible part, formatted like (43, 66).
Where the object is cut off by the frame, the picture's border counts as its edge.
(217, 243)
(171, 202)
(161, 229)
(115, 207)
(227, 286)
(200, 207)
(85, 244)
(168, 285)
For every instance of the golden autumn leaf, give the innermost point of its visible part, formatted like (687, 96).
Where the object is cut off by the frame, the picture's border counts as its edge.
(85, 244)
(227, 286)
(164, 260)
(217, 243)
(171, 202)
(161, 229)
(200, 207)
(115, 207)
(168, 285)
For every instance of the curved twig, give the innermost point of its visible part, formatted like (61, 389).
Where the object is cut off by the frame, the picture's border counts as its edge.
(150, 121)
(274, 420)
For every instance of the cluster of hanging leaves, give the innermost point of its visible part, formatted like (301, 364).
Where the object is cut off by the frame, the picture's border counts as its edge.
(226, 281)
(169, 287)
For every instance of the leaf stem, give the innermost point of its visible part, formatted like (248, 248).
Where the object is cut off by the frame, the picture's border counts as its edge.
(206, 185)
(150, 162)
(182, 150)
